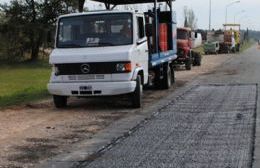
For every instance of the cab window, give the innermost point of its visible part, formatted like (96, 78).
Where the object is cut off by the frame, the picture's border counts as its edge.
(140, 22)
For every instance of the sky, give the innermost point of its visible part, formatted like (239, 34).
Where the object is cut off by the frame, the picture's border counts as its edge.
(247, 12)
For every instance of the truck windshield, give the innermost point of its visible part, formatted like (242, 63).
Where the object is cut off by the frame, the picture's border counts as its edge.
(182, 35)
(95, 30)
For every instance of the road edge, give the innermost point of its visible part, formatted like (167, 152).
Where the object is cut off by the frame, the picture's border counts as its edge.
(256, 146)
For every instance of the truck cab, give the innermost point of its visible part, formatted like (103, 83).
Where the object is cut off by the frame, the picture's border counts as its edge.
(98, 54)
(109, 53)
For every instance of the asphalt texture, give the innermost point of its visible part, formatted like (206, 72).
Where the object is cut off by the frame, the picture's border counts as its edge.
(208, 126)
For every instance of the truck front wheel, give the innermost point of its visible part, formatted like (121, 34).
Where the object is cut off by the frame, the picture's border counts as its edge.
(60, 101)
(137, 94)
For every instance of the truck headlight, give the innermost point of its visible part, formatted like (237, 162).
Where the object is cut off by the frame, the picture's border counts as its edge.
(124, 67)
(55, 69)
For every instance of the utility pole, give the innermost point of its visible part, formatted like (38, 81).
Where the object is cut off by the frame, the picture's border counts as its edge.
(209, 15)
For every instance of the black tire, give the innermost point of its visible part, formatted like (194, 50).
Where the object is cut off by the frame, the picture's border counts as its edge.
(188, 64)
(193, 55)
(60, 101)
(173, 75)
(194, 61)
(238, 47)
(228, 51)
(167, 78)
(137, 94)
(198, 59)
(233, 50)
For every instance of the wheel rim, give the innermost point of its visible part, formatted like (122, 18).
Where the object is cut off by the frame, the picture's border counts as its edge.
(141, 89)
(169, 77)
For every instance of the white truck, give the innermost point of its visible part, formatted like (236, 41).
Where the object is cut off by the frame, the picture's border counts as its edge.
(108, 53)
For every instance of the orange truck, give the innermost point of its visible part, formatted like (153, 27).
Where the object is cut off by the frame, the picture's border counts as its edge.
(186, 56)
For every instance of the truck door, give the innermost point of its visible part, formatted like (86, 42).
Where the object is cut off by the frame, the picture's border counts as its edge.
(142, 47)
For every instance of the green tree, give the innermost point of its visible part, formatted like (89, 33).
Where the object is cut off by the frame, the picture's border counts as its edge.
(27, 23)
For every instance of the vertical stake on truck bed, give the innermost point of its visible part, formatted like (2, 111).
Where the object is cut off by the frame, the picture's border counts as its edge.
(156, 27)
(161, 69)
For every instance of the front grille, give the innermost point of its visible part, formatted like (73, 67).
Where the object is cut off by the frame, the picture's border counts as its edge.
(85, 77)
(92, 68)
(95, 92)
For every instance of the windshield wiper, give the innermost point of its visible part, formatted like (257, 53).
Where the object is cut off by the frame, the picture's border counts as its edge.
(100, 44)
(70, 45)
(107, 44)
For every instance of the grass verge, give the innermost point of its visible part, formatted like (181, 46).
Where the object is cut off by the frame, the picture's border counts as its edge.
(247, 44)
(23, 82)
(199, 50)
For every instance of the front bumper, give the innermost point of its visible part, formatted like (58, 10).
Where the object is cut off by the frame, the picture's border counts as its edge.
(92, 88)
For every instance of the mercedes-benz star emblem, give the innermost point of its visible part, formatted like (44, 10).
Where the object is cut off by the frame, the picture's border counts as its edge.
(85, 68)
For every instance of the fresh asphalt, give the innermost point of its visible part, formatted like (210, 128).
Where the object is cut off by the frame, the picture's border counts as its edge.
(212, 125)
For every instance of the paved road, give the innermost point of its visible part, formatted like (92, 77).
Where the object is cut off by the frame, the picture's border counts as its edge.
(208, 126)
(211, 126)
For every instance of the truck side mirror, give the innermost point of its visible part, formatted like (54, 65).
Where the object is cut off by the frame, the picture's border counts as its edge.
(190, 35)
(149, 30)
(196, 35)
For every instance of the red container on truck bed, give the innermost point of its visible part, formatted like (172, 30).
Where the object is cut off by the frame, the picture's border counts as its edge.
(163, 37)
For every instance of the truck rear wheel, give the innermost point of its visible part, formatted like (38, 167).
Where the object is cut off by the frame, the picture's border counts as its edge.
(173, 75)
(188, 64)
(137, 94)
(238, 47)
(196, 58)
(233, 50)
(167, 78)
(60, 101)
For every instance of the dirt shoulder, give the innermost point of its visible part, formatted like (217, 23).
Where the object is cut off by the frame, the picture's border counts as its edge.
(35, 132)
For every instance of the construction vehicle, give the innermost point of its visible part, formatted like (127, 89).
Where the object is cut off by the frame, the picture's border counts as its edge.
(113, 52)
(186, 56)
(212, 45)
(231, 38)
